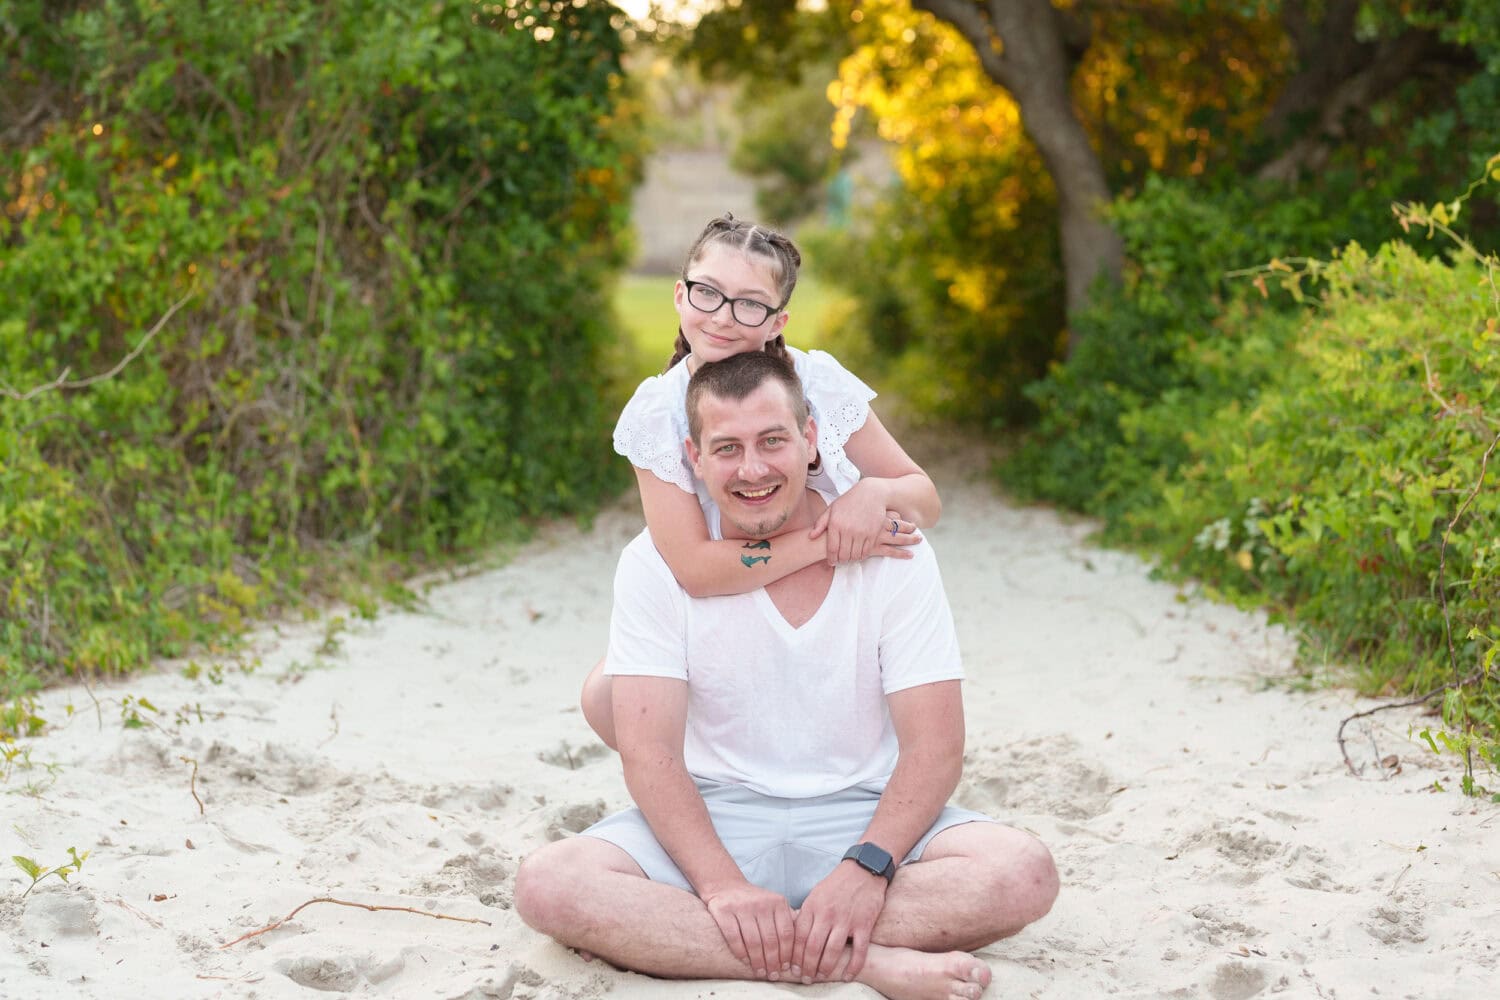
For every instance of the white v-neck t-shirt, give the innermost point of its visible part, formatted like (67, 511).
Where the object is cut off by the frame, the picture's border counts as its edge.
(787, 712)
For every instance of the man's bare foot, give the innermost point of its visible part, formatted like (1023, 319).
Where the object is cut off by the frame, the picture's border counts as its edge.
(904, 974)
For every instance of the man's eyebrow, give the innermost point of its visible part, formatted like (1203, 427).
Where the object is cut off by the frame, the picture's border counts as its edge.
(781, 429)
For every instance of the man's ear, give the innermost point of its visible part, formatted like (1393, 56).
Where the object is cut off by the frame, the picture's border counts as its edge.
(692, 454)
(810, 435)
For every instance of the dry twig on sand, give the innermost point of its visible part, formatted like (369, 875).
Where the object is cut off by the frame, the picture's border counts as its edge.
(193, 782)
(1420, 699)
(358, 906)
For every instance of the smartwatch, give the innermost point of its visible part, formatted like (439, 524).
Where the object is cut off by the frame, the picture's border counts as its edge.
(873, 859)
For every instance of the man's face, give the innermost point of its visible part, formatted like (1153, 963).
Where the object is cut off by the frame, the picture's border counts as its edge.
(753, 458)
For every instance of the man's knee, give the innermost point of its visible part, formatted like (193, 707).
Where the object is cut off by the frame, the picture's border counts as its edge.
(1031, 878)
(1013, 869)
(543, 889)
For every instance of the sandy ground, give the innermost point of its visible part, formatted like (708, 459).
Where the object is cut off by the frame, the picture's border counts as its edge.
(1210, 840)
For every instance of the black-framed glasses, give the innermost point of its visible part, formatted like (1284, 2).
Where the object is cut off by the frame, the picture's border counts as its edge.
(708, 299)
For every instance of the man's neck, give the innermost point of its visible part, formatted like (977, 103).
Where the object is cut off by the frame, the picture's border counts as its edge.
(798, 595)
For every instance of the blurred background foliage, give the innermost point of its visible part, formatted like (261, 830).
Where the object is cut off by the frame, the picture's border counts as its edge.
(370, 245)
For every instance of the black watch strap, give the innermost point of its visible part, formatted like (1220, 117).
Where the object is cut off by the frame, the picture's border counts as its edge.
(872, 858)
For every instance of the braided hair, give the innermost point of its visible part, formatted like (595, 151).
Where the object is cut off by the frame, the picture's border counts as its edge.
(778, 251)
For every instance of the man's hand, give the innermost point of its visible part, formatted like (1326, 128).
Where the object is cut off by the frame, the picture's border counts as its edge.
(841, 909)
(757, 926)
(858, 525)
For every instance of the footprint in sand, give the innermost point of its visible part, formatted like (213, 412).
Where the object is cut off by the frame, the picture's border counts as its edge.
(485, 798)
(273, 773)
(1306, 867)
(1395, 922)
(1048, 779)
(1252, 854)
(574, 818)
(1237, 981)
(52, 913)
(484, 875)
(516, 981)
(1218, 928)
(572, 758)
(338, 973)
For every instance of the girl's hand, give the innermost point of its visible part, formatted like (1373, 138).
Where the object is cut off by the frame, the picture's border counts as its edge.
(859, 525)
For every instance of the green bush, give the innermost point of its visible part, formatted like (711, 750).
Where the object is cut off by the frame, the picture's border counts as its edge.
(1330, 491)
(1182, 239)
(1320, 440)
(353, 254)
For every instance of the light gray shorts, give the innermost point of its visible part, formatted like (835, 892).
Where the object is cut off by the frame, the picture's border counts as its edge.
(785, 845)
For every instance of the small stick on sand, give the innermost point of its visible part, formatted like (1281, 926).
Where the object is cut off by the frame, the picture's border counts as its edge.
(130, 909)
(1440, 689)
(359, 906)
(193, 782)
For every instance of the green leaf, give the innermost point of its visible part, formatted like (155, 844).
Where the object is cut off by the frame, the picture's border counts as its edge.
(30, 867)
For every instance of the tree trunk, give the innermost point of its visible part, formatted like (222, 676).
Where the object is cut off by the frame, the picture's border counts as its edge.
(1025, 47)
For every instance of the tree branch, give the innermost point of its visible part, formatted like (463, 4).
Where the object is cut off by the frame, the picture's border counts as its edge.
(61, 382)
(974, 23)
(1420, 699)
(1367, 74)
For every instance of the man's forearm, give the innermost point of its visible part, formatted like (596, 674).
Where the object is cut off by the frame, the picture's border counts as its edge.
(919, 788)
(672, 805)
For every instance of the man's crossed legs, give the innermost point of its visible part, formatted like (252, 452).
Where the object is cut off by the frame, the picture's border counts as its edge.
(975, 884)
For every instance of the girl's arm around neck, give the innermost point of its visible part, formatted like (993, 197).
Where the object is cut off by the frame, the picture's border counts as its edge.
(708, 568)
(902, 483)
(891, 485)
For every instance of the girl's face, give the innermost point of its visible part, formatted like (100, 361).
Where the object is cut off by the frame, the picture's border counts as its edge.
(733, 274)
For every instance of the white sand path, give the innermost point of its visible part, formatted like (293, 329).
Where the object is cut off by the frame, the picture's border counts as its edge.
(1210, 840)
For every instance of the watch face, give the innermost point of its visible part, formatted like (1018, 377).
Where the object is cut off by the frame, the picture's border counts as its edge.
(872, 858)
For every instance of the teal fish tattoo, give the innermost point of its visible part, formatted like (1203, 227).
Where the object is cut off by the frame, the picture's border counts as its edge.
(752, 560)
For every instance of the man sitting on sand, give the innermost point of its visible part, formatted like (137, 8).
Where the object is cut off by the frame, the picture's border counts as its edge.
(791, 752)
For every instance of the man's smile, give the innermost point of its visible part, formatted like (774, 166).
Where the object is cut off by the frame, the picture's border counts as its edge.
(757, 495)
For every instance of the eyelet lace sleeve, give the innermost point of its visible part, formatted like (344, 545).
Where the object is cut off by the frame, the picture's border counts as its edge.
(840, 403)
(653, 426)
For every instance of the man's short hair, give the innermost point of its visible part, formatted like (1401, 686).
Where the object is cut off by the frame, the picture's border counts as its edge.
(736, 377)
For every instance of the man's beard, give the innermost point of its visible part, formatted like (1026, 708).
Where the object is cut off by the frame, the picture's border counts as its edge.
(761, 524)
(765, 528)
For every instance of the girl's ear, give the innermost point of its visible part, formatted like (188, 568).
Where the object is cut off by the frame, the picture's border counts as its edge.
(778, 324)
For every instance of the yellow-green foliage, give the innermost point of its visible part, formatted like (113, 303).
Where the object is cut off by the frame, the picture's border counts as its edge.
(1320, 439)
(288, 284)
(1332, 488)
